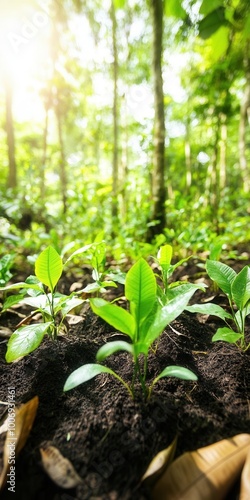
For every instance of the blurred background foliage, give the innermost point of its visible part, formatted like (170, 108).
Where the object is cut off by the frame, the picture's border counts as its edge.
(78, 125)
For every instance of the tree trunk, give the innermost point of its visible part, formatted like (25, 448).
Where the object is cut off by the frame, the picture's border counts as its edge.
(44, 155)
(223, 153)
(244, 110)
(12, 174)
(62, 163)
(115, 167)
(188, 157)
(158, 217)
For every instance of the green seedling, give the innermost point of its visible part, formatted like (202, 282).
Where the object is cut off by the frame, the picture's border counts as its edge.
(164, 258)
(236, 287)
(102, 278)
(143, 324)
(40, 293)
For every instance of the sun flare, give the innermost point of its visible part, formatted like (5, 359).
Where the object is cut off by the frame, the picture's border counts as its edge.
(25, 58)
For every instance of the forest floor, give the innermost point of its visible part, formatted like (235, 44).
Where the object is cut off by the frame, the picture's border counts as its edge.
(109, 438)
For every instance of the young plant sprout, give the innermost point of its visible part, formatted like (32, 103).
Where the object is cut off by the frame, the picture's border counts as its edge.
(39, 291)
(143, 324)
(236, 287)
(164, 258)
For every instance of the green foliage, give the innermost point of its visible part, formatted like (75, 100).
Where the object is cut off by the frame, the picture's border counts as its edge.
(237, 289)
(6, 263)
(143, 324)
(40, 293)
(164, 258)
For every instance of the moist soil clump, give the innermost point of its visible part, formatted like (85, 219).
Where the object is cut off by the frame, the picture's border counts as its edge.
(109, 438)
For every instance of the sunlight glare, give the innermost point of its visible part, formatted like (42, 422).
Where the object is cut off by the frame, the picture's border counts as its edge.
(24, 57)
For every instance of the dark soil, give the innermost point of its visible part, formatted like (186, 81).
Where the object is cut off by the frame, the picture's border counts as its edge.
(109, 438)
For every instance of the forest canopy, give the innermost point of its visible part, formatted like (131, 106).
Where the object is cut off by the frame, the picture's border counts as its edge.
(129, 119)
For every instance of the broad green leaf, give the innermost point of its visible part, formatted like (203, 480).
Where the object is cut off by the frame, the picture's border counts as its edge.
(114, 315)
(179, 290)
(17, 286)
(173, 8)
(227, 335)
(12, 300)
(212, 22)
(164, 255)
(38, 302)
(178, 372)
(119, 4)
(241, 288)
(85, 373)
(69, 304)
(140, 290)
(208, 6)
(166, 315)
(112, 347)
(48, 267)
(222, 274)
(25, 340)
(219, 43)
(211, 309)
(79, 251)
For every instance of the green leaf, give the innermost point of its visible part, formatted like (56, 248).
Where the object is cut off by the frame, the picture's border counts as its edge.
(208, 6)
(25, 340)
(227, 335)
(85, 373)
(79, 251)
(119, 4)
(173, 8)
(140, 290)
(212, 22)
(219, 44)
(241, 288)
(12, 300)
(22, 284)
(69, 304)
(114, 315)
(211, 309)
(222, 274)
(38, 302)
(48, 267)
(112, 347)
(178, 372)
(166, 315)
(164, 255)
(184, 288)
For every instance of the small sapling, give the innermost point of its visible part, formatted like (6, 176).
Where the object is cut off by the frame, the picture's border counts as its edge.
(142, 324)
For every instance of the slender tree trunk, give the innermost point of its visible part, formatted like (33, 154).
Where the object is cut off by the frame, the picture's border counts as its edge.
(12, 174)
(223, 152)
(212, 186)
(188, 157)
(44, 155)
(158, 187)
(124, 164)
(244, 110)
(62, 170)
(115, 172)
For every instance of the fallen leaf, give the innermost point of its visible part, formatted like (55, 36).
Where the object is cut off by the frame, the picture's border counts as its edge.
(73, 319)
(17, 435)
(245, 480)
(4, 427)
(205, 474)
(5, 332)
(159, 463)
(59, 468)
